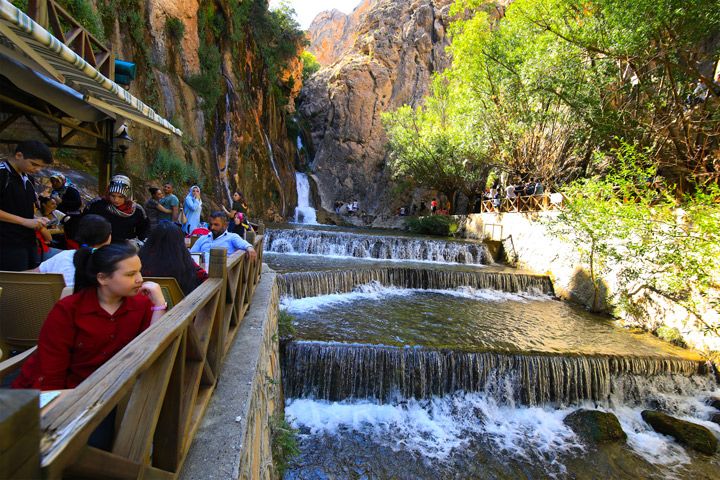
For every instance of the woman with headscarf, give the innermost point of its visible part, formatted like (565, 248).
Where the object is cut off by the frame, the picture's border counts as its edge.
(128, 219)
(192, 207)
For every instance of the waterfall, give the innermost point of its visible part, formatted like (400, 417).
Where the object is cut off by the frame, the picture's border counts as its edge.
(333, 371)
(299, 143)
(312, 284)
(272, 158)
(344, 244)
(304, 212)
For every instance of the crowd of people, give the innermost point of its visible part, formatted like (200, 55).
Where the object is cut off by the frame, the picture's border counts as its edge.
(103, 251)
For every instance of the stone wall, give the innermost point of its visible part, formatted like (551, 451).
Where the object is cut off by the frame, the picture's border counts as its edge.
(527, 240)
(234, 440)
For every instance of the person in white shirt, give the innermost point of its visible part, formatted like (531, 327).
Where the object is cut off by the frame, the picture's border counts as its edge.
(94, 231)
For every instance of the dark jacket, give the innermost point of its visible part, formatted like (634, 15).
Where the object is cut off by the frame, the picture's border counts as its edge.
(124, 227)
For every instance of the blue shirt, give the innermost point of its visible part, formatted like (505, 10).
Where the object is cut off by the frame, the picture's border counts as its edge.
(231, 241)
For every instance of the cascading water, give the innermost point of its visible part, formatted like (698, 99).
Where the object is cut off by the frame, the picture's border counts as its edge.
(304, 212)
(318, 242)
(327, 371)
(445, 370)
(312, 284)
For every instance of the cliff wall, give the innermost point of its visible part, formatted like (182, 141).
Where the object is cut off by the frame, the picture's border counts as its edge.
(207, 76)
(394, 48)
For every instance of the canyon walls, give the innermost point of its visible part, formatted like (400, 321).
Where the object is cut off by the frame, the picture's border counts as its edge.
(378, 58)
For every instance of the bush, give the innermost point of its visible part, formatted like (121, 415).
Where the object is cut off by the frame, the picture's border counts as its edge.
(671, 335)
(170, 168)
(175, 28)
(284, 443)
(310, 65)
(285, 326)
(441, 225)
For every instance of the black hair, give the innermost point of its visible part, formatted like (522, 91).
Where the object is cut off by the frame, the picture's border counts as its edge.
(165, 255)
(153, 190)
(32, 149)
(43, 200)
(218, 214)
(92, 230)
(91, 261)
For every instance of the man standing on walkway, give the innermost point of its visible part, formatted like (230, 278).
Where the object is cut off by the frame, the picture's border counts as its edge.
(18, 248)
(170, 202)
(219, 237)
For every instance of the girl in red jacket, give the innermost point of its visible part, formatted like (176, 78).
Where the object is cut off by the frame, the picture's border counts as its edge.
(110, 307)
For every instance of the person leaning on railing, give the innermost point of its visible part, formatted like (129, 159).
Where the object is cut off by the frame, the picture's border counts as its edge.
(110, 307)
(219, 237)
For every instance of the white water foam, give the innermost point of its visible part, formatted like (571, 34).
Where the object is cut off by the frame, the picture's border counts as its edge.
(304, 212)
(435, 428)
(374, 291)
(365, 259)
(438, 427)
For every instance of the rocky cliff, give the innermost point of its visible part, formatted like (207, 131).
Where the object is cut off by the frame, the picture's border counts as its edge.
(395, 47)
(200, 66)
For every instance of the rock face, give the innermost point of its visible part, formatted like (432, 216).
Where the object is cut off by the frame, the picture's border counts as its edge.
(333, 33)
(237, 143)
(595, 426)
(396, 46)
(694, 436)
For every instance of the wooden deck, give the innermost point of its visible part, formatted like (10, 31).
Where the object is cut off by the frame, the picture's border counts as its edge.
(159, 385)
(529, 203)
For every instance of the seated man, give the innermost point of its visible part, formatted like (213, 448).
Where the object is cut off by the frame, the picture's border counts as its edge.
(219, 237)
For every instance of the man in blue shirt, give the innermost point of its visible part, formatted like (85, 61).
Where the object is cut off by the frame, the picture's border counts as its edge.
(219, 237)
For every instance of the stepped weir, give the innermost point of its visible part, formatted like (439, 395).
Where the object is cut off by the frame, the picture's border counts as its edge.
(311, 284)
(333, 371)
(344, 244)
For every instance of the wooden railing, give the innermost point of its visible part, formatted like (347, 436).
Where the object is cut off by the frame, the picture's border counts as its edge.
(529, 203)
(55, 19)
(158, 386)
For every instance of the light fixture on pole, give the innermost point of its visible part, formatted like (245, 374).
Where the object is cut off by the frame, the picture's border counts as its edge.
(122, 140)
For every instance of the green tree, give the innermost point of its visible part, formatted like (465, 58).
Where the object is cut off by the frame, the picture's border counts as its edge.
(434, 146)
(310, 65)
(631, 218)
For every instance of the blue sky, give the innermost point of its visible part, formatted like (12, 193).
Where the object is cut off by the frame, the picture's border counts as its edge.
(307, 9)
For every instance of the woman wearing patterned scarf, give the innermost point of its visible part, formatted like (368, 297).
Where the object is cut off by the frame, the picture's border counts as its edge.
(128, 219)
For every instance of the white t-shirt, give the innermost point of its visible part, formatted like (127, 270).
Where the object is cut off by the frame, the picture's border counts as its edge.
(61, 263)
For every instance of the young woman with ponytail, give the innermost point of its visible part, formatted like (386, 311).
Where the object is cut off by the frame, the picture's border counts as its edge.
(110, 307)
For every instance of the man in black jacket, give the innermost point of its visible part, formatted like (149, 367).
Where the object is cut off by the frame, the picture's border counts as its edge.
(18, 200)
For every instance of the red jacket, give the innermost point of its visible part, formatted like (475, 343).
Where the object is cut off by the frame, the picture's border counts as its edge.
(78, 336)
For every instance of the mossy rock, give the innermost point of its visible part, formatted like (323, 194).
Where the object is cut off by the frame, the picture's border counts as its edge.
(693, 435)
(670, 334)
(595, 426)
(715, 417)
(714, 402)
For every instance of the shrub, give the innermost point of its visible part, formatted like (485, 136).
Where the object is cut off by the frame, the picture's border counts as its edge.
(175, 28)
(441, 225)
(283, 439)
(169, 167)
(285, 326)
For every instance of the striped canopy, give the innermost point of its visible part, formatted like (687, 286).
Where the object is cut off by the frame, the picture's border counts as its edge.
(40, 49)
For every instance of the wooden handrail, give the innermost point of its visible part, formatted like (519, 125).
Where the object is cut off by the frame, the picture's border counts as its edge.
(159, 385)
(525, 203)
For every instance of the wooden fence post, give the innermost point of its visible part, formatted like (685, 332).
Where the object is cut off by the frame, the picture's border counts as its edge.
(19, 434)
(218, 269)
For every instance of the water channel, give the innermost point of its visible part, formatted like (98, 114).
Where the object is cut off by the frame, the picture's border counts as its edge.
(420, 358)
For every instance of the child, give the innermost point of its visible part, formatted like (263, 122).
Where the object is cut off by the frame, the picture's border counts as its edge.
(110, 307)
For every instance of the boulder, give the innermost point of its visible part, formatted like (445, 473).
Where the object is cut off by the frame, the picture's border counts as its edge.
(694, 436)
(715, 417)
(714, 402)
(595, 426)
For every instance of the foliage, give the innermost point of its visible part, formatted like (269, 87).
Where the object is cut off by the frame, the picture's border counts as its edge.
(84, 12)
(671, 246)
(310, 65)
(169, 167)
(283, 439)
(435, 146)
(670, 334)
(286, 328)
(441, 225)
(175, 28)
(129, 14)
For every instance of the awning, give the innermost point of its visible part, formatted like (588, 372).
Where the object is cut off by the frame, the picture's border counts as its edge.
(35, 47)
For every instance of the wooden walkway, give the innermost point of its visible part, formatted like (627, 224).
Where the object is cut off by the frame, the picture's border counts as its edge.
(159, 385)
(529, 203)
